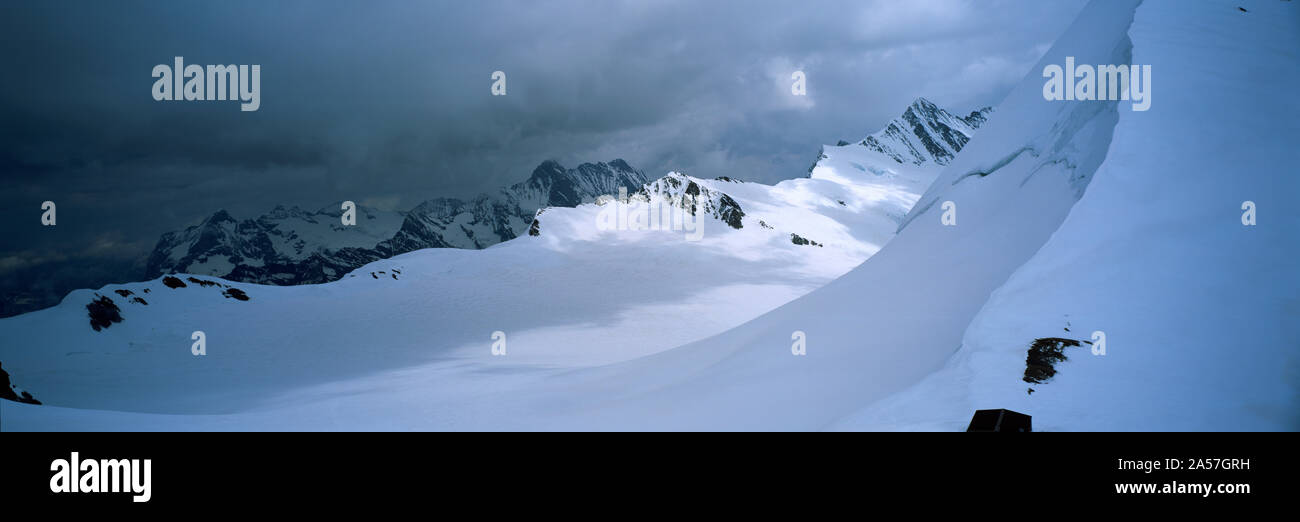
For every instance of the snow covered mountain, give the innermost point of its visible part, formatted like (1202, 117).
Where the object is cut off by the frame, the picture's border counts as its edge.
(285, 246)
(926, 133)
(551, 185)
(490, 219)
(1197, 312)
(561, 293)
(1059, 220)
(1072, 224)
(292, 246)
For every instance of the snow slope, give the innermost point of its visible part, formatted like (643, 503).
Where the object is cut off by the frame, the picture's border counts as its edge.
(1201, 314)
(575, 295)
(902, 313)
(1069, 214)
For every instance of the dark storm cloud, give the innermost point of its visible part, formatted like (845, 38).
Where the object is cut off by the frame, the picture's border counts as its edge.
(389, 102)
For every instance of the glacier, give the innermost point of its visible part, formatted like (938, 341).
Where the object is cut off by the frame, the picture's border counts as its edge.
(1075, 217)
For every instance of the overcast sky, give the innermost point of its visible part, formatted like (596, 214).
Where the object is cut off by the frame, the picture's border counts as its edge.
(388, 104)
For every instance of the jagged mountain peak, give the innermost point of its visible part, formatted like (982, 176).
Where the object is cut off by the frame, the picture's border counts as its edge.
(925, 133)
(977, 118)
(923, 105)
(676, 186)
(220, 216)
(549, 169)
(290, 245)
(551, 184)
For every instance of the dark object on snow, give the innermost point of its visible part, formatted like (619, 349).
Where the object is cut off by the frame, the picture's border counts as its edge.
(7, 390)
(1000, 421)
(173, 282)
(103, 313)
(799, 240)
(1044, 353)
(535, 229)
(235, 293)
(730, 213)
(203, 282)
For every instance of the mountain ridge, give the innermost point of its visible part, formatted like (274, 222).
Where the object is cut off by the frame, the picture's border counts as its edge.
(290, 246)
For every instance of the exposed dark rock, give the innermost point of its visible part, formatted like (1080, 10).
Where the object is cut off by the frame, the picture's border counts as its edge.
(203, 282)
(682, 191)
(977, 118)
(122, 292)
(821, 155)
(103, 312)
(798, 240)
(173, 282)
(1044, 353)
(235, 293)
(729, 212)
(7, 390)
